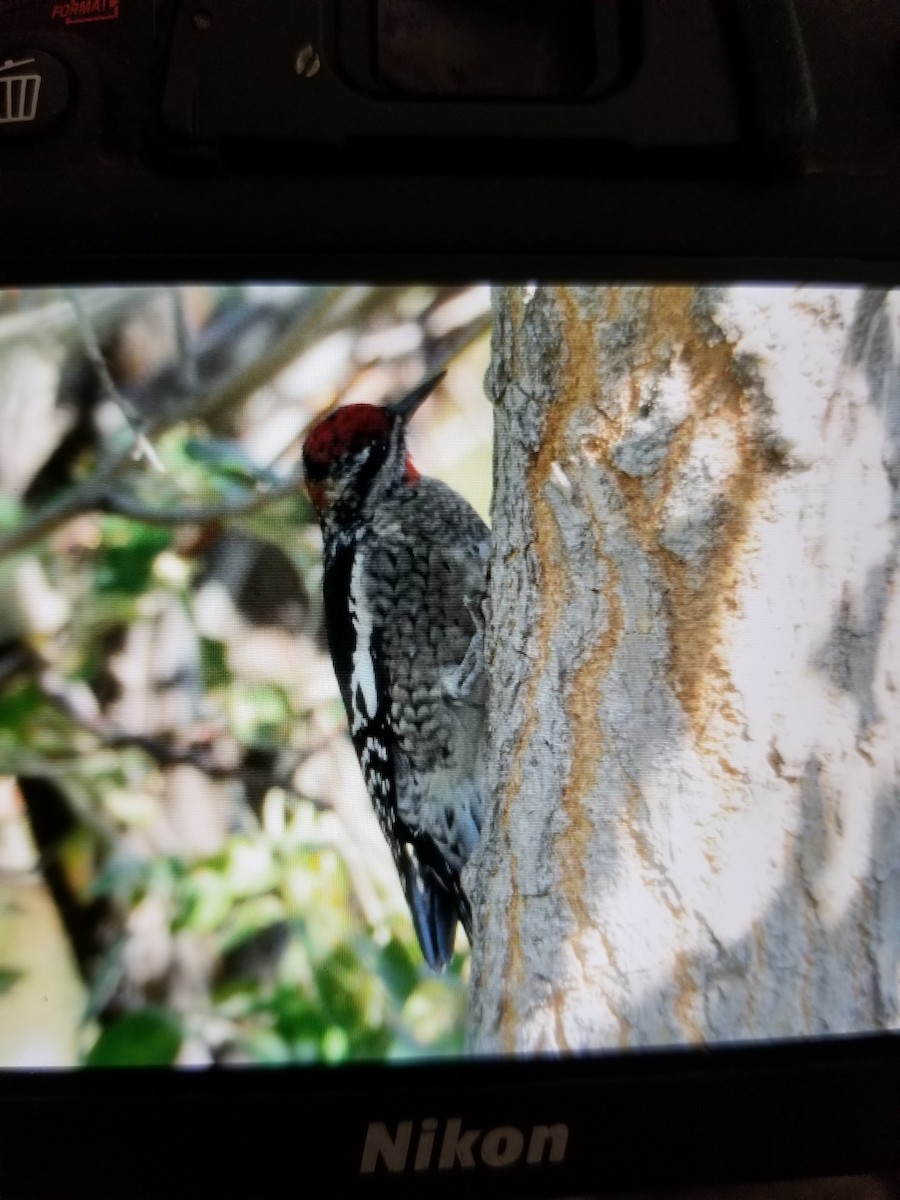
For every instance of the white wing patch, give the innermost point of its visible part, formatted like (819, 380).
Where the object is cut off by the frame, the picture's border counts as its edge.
(362, 680)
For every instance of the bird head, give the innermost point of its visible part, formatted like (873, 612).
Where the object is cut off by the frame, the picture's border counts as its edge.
(358, 447)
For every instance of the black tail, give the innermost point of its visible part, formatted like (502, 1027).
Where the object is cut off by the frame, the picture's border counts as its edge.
(435, 912)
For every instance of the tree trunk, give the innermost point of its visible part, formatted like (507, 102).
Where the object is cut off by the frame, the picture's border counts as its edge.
(694, 655)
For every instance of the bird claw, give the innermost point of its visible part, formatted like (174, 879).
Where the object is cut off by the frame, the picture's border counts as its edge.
(461, 682)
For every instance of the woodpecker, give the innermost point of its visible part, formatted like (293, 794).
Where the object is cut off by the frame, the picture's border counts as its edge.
(405, 564)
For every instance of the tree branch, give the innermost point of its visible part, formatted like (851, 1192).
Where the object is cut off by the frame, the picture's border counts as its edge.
(202, 757)
(105, 308)
(310, 319)
(142, 447)
(130, 506)
(84, 497)
(78, 703)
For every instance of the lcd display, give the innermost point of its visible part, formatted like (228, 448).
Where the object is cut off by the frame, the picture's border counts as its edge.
(620, 694)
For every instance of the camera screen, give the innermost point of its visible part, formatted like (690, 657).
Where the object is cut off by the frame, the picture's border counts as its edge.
(403, 672)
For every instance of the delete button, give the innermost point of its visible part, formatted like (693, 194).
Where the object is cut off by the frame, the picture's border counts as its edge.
(34, 91)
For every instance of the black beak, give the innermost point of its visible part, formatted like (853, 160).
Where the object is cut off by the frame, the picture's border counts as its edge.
(407, 406)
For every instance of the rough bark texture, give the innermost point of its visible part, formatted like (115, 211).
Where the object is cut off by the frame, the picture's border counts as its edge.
(694, 652)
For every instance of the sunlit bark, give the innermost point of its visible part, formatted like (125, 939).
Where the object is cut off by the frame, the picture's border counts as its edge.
(694, 652)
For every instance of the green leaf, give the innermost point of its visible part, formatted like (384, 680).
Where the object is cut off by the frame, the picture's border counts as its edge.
(149, 1037)
(341, 982)
(127, 555)
(434, 1013)
(260, 916)
(227, 459)
(335, 1044)
(398, 970)
(372, 1045)
(10, 512)
(249, 867)
(19, 705)
(123, 877)
(207, 901)
(266, 1047)
(260, 714)
(298, 1022)
(9, 977)
(214, 664)
(106, 978)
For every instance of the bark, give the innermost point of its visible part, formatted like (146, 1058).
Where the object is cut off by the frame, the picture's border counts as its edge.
(694, 652)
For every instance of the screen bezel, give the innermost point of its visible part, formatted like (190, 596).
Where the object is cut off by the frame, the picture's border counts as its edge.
(651, 1119)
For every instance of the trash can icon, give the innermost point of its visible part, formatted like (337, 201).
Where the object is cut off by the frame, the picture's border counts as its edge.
(19, 92)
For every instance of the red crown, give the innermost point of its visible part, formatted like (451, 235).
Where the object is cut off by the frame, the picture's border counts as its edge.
(345, 432)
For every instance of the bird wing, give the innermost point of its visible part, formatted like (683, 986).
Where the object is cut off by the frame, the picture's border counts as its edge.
(356, 647)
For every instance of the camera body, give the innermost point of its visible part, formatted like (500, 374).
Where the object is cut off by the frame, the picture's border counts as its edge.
(603, 140)
(724, 140)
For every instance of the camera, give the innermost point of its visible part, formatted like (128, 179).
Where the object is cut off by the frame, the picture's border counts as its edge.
(449, 457)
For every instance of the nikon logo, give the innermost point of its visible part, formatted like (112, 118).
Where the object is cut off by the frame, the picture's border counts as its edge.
(431, 1148)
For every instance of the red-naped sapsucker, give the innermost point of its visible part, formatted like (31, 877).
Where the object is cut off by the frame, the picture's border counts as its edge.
(404, 586)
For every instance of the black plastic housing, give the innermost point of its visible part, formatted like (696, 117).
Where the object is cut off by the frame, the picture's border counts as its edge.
(761, 142)
(739, 140)
(652, 1121)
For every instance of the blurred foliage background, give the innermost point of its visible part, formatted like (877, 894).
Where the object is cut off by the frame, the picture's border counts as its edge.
(190, 871)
